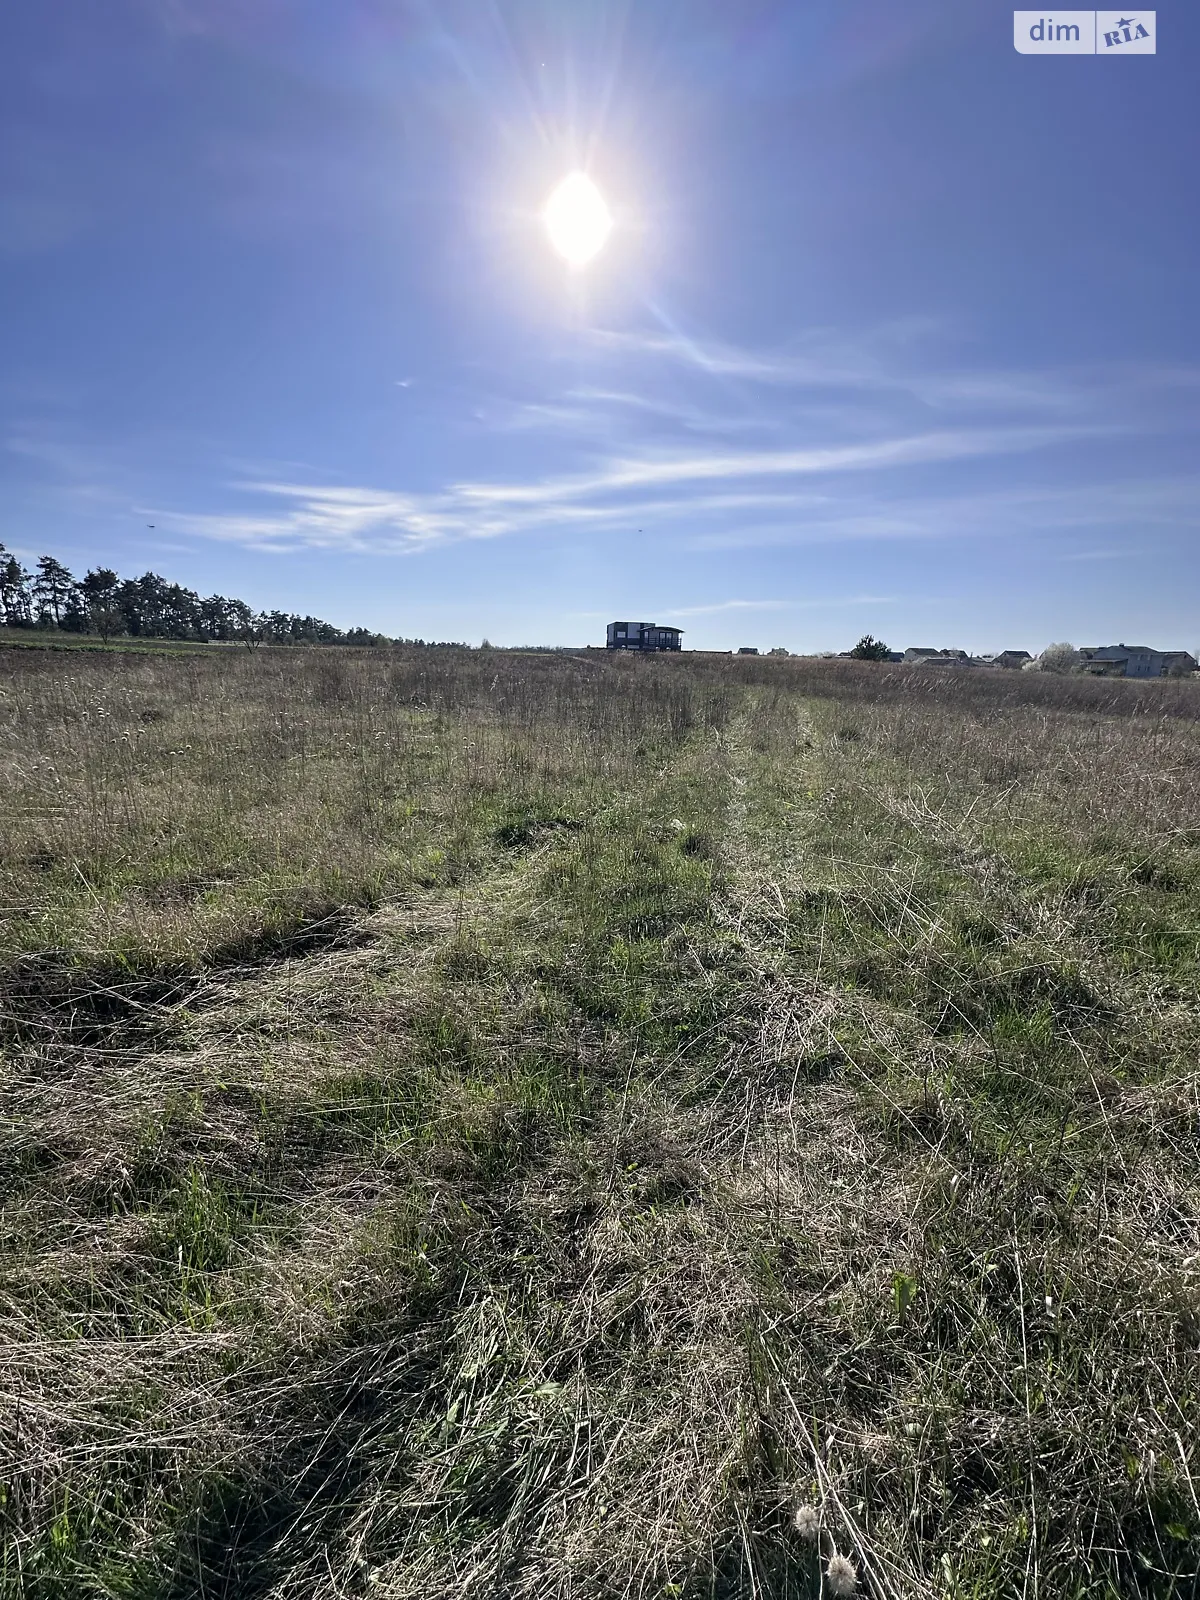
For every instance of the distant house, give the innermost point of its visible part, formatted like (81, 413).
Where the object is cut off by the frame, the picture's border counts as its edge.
(1136, 661)
(643, 636)
(748, 650)
(1012, 660)
(922, 656)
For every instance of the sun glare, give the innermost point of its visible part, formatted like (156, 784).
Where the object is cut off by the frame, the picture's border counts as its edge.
(577, 219)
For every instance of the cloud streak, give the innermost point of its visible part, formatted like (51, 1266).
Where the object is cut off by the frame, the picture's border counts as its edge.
(868, 364)
(862, 467)
(778, 605)
(316, 516)
(920, 449)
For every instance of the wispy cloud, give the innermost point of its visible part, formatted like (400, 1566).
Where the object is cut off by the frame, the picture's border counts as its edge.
(728, 605)
(778, 462)
(1134, 508)
(621, 474)
(826, 603)
(315, 516)
(891, 360)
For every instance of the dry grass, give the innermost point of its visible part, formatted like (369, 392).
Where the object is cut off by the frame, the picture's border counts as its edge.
(523, 1125)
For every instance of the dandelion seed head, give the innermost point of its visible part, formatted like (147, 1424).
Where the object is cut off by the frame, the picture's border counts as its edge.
(807, 1521)
(841, 1575)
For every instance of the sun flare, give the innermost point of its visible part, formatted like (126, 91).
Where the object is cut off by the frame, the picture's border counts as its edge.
(577, 219)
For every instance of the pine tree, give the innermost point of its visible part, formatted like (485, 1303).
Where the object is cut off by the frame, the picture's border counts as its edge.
(16, 601)
(52, 590)
(869, 648)
(101, 592)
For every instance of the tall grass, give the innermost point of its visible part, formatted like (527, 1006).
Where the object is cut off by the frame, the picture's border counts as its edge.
(519, 1125)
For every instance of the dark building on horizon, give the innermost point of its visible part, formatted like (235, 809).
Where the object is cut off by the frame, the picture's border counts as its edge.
(643, 636)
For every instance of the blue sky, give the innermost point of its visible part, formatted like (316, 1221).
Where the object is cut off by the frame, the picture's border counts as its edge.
(896, 330)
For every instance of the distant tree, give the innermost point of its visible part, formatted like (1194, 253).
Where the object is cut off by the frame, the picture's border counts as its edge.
(52, 589)
(214, 618)
(146, 599)
(181, 612)
(156, 609)
(276, 627)
(311, 630)
(75, 617)
(225, 620)
(100, 593)
(869, 648)
(779, 650)
(130, 606)
(16, 599)
(1058, 658)
(143, 603)
(148, 607)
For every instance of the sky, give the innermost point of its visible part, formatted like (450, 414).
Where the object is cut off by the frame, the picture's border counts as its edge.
(896, 330)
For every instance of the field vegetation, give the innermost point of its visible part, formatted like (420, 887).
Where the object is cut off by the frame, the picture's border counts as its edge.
(563, 1126)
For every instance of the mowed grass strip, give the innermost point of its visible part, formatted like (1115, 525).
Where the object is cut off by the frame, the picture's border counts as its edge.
(522, 1125)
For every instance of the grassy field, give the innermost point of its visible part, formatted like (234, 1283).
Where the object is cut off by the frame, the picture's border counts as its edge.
(579, 1127)
(55, 639)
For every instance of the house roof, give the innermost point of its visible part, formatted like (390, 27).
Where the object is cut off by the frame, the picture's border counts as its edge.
(1118, 652)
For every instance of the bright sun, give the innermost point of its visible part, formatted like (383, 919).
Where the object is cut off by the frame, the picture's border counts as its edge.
(577, 219)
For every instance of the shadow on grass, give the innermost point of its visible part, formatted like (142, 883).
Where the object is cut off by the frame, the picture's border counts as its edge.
(126, 1001)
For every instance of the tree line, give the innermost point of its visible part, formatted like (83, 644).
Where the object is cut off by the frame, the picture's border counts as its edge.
(148, 608)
